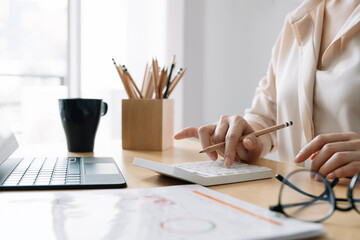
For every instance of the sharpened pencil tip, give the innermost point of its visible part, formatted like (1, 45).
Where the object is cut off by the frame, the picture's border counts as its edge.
(201, 151)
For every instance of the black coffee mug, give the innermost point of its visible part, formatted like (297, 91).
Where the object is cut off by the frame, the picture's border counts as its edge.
(80, 118)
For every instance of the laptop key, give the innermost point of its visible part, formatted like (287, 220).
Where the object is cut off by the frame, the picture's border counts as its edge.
(74, 166)
(12, 183)
(57, 182)
(42, 182)
(26, 183)
(9, 184)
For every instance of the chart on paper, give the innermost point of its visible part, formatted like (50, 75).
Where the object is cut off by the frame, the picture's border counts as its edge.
(177, 212)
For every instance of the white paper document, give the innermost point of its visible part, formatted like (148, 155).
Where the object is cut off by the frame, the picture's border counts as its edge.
(176, 212)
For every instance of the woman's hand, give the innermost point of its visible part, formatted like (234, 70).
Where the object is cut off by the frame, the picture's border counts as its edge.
(333, 155)
(228, 129)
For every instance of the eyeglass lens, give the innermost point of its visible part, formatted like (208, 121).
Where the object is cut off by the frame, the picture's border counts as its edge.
(356, 194)
(305, 198)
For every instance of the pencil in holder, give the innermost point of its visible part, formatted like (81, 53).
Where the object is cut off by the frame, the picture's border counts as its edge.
(147, 124)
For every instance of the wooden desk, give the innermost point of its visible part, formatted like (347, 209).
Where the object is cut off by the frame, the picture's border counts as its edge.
(262, 192)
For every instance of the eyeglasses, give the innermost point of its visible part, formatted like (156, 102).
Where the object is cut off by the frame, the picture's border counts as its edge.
(309, 196)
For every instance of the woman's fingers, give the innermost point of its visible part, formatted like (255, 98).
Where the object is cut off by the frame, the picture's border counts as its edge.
(318, 142)
(250, 148)
(253, 148)
(338, 158)
(206, 133)
(228, 129)
(327, 152)
(237, 128)
(333, 155)
(344, 164)
(189, 132)
(221, 129)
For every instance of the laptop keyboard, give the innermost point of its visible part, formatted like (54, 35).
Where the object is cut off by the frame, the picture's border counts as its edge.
(45, 171)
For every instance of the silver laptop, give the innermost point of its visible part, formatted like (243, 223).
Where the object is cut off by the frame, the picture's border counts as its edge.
(48, 173)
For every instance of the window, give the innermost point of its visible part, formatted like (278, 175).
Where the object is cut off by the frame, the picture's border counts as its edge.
(130, 31)
(51, 49)
(33, 60)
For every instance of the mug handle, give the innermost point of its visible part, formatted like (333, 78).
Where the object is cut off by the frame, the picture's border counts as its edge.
(104, 109)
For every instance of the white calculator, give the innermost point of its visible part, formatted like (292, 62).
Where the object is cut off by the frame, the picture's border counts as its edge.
(207, 173)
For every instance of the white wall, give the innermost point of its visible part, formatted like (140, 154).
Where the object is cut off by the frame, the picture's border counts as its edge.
(224, 44)
(227, 50)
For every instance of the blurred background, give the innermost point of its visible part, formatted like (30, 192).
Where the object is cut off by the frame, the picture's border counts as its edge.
(63, 48)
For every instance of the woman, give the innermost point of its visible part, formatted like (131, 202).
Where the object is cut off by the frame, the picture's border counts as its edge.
(313, 80)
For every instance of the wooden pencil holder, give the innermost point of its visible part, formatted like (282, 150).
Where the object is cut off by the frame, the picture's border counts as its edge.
(147, 124)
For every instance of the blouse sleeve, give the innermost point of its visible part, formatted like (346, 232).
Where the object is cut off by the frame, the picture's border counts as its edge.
(264, 107)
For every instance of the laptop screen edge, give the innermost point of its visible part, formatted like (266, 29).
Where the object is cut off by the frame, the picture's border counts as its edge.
(8, 142)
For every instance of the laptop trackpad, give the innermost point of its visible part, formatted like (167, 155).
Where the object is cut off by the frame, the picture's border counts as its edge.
(101, 168)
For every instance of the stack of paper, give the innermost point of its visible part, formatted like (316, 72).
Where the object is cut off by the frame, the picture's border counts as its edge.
(178, 212)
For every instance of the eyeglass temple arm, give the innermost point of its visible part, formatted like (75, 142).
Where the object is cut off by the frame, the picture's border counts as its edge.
(279, 208)
(285, 181)
(332, 184)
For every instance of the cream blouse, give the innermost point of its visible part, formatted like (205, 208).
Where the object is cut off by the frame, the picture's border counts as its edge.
(317, 101)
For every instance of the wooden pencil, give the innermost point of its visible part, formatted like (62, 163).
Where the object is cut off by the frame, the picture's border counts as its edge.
(156, 77)
(150, 87)
(162, 82)
(166, 94)
(127, 81)
(176, 80)
(143, 83)
(124, 80)
(126, 72)
(147, 83)
(258, 133)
